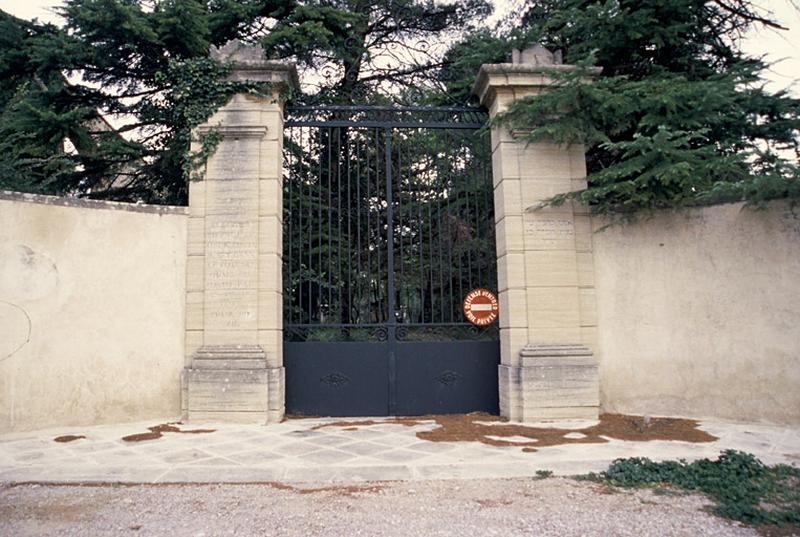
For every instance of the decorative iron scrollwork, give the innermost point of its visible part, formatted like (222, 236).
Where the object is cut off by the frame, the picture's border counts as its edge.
(401, 333)
(404, 332)
(335, 379)
(324, 333)
(447, 377)
(446, 332)
(381, 333)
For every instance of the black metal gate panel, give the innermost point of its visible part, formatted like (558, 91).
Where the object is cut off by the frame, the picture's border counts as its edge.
(388, 224)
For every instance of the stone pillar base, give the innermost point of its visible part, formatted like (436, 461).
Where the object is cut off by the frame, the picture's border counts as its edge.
(232, 383)
(552, 382)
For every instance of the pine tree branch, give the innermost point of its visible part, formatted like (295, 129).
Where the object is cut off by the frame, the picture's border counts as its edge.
(748, 14)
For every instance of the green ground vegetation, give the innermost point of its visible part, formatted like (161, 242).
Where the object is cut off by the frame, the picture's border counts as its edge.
(741, 486)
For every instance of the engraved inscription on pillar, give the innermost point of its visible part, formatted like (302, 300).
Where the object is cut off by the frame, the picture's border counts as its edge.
(234, 309)
(231, 260)
(549, 233)
(229, 318)
(231, 253)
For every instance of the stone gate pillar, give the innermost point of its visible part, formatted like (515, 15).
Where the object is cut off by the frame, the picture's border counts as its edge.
(544, 257)
(234, 289)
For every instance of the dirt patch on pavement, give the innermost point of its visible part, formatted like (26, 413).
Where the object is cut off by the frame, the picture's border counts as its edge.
(489, 503)
(338, 490)
(494, 431)
(354, 425)
(638, 428)
(157, 431)
(68, 438)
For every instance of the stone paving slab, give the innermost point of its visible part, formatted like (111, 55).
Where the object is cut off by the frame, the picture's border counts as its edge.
(299, 451)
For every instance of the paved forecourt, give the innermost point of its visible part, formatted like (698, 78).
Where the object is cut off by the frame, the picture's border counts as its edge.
(326, 450)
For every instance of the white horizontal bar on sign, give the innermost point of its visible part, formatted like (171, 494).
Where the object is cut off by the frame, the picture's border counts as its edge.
(481, 307)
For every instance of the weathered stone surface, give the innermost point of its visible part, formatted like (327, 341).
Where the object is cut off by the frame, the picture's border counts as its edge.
(549, 232)
(545, 268)
(560, 413)
(232, 309)
(232, 381)
(507, 198)
(513, 308)
(193, 341)
(509, 235)
(235, 275)
(250, 63)
(230, 351)
(512, 341)
(510, 268)
(551, 382)
(277, 386)
(91, 311)
(551, 268)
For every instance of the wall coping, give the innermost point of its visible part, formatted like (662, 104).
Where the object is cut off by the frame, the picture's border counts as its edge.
(250, 63)
(84, 203)
(518, 75)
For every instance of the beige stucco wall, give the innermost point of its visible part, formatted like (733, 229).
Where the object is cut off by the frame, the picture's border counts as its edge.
(91, 311)
(699, 314)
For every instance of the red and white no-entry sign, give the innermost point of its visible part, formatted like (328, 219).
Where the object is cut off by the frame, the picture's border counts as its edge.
(481, 307)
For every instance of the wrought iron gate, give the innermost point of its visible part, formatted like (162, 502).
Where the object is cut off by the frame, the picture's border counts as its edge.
(388, 224)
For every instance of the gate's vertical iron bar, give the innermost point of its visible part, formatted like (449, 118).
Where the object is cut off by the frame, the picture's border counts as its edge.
(399, 304)
(392, 319)
(484, 146)
(459, 236)
(350, 279)
(329, 228)
(287, 223)
(471, 235)
(319, 229)
(359, 287)
(448, 189)
(429, 201)
(482, 214)
(378, 222)
(301, 228)
(476, 188)
(368, 237)
(438, 193)
(339, 161)
(410, 223)
(310, 244)
(420, 230)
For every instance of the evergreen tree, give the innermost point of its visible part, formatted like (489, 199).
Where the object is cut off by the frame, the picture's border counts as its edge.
(679, 116)
(148, 68)
(144, 65)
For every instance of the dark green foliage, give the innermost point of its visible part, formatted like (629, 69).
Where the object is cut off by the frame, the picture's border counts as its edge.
(143, 65)
(742, 487)
(678, 117)
(464, 59)
(146, 70)
(374, 51)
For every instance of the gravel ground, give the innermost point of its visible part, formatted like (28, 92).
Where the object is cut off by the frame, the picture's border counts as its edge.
(516, 507)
